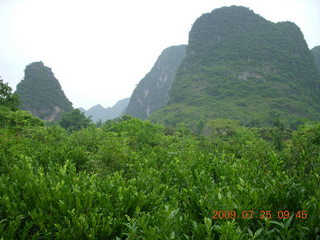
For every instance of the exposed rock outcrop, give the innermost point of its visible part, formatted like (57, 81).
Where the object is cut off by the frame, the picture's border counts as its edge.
(152, 92)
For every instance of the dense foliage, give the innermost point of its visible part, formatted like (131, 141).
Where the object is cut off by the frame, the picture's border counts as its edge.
(130, 179)
(240, 66)
(152, 92)
(7, 98)
(74, 120)
(10, 116)
(316, 55)
(41, 94)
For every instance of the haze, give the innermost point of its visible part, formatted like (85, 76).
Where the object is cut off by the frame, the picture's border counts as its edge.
(99, 50)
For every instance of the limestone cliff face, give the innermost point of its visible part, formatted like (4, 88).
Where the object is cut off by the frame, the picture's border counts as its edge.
(41, 94)
(46, 114)
(152, 92)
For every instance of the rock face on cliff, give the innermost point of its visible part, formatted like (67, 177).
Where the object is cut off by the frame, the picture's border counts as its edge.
(41, 94)
(240, 66)
(316, 56)
(152, 92)
(98, 112)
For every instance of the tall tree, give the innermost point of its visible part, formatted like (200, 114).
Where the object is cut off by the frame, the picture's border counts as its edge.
(7, 98)
(74, 120)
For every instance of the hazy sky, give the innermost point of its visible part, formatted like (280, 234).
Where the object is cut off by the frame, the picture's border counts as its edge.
(100, 49)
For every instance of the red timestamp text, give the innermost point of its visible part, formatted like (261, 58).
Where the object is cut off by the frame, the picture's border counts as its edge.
(248, 214)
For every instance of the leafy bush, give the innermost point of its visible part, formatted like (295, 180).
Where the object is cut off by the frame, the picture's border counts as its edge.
(74, 120)
(7, 98)
(130, 179)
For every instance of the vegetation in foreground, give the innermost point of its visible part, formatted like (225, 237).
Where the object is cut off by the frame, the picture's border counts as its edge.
(130, 179)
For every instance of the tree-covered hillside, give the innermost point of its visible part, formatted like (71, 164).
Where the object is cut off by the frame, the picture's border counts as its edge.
(41, 94)
(152, 92)
(240, 66)
(131, 179)
(316, 55)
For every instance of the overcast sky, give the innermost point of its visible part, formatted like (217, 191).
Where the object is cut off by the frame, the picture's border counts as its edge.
(100, 49)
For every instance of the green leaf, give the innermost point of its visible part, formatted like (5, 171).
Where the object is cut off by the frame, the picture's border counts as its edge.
(258, 232)
(278, 223)
(219, 196)
(207, 222)
(288, 221)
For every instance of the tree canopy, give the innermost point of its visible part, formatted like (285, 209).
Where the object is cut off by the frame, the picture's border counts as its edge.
(74, 120)
(7, 98)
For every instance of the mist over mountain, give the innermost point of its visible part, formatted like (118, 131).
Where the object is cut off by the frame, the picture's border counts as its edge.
(98, 112)
(237, 65)
(41, 94)
(152, 92)
(240, 66)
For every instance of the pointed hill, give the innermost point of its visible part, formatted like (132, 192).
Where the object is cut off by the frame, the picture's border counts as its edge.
(41, 94)
(98, 112)
(240, 66)
(152, 92)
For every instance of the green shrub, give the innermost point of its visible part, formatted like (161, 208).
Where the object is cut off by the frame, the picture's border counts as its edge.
(130, 179)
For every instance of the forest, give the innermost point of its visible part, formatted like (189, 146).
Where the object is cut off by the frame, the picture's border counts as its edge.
(133, 179)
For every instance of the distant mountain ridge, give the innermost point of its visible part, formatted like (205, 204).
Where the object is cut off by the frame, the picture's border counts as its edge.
(98, 112)
(240, 66)
(41, 94)
(152, 92)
